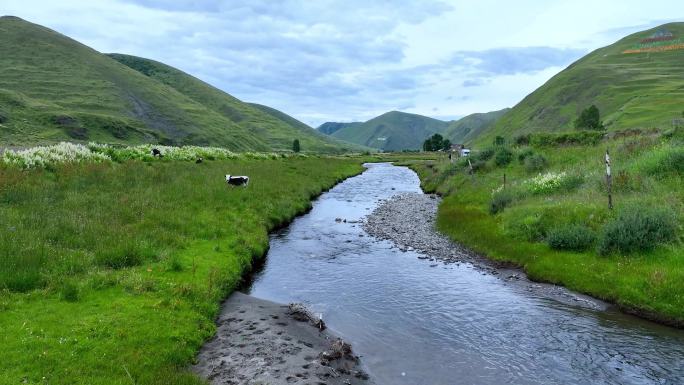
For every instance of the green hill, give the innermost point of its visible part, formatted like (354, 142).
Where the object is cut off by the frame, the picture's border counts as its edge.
(636, 82)
(54, 88)
(469, 127)
(276, 128)
(392, 131)
(329, 128)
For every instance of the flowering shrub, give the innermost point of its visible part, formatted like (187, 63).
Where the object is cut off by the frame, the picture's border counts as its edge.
(144, 152)
(45, 156)
(552, 181)
(546, 183)
(497, 190)
(65, 152)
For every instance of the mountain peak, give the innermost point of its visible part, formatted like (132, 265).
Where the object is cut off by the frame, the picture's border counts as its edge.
(11, 17)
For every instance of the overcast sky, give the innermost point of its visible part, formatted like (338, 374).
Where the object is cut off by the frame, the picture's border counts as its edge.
(355, 59)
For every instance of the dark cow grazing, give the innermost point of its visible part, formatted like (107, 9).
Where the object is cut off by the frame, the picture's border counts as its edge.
(199, 160)
(156, 152)
(237, 180)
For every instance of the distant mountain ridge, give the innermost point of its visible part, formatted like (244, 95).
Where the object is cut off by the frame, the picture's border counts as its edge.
(391, 131)
(396, 131)
(53, 88)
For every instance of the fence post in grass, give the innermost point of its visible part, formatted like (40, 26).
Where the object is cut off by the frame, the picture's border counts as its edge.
(504, 181)
(609, 181)
(470, 170)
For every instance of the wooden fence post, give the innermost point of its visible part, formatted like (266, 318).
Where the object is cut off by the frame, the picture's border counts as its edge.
(504, 181)
(609, 181)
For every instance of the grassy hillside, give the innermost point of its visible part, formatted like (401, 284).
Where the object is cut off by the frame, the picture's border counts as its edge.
(636, 83)
(329, 128)
(275, 128)
(112, 273)
(552, 218)
(331, 144)
(470, 127)
(53, 88)
(392, 131)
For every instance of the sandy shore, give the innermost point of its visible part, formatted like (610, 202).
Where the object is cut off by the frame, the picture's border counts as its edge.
(408, 220)
(262, 342)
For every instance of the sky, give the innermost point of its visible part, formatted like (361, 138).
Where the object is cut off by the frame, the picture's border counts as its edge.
(352, 60)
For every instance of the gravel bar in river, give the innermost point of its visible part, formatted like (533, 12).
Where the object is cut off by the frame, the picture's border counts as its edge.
(408, 220)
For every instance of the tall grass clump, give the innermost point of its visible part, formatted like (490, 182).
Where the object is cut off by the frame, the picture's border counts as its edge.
(637, 229)
(485, 155)
(500, 200)
(573, 237)
(535, 163)
(664, 161)
(503, 157)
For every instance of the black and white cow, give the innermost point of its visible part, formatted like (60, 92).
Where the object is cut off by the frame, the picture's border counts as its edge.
(237, 180)
(156, 152)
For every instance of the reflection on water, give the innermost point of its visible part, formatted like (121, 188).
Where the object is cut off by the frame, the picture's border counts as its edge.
(419, 323)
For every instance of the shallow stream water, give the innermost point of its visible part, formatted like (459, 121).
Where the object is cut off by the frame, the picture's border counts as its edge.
(419, 322)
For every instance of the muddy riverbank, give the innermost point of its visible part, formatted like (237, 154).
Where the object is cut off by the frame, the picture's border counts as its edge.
(263, 342)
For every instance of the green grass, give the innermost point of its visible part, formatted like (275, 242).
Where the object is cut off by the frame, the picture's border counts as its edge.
(649, 283)
(641, 90)
(53, 88)
(113, 273)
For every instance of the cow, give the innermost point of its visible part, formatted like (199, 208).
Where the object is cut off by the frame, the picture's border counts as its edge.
(237, 180)
(199, 160)
(156, 152)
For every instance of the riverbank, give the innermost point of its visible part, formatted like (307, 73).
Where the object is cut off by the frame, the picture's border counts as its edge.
(514, 224)
(409, 221)
(114, 272)
(259, 341)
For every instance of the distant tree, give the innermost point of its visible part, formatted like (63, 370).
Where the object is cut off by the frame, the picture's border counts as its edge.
(433, 143)
(295, 145)
(446, 145)
(499, 141)
(589, 118)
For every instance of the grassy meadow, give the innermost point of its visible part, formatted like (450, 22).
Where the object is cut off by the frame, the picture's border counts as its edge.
(552, 216)
(112, 272)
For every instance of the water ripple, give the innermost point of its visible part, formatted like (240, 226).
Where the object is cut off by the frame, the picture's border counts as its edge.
(417, 324)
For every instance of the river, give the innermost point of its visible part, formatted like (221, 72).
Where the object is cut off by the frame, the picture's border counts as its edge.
(417, 322)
